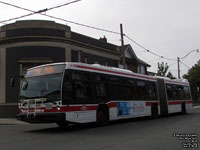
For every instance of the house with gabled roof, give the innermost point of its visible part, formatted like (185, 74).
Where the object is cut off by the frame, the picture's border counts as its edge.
(134, 63)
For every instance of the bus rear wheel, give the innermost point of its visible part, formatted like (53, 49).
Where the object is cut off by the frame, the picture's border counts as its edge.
(102, 116)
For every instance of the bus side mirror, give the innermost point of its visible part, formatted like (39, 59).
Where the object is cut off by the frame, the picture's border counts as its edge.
(12, 82)
(25, 85)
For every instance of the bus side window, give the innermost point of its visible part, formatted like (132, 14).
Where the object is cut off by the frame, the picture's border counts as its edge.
(100, 90)
(151, 90)
(82, 86)
(128, 92)
(101, 87)
(180, 92)
(113, 86)
(67, 91)
(121, 92)
(113, 91)
(80, 90)
(175, 92)
(141, 89)
(132, 88)
(186, 93)
(169, 92)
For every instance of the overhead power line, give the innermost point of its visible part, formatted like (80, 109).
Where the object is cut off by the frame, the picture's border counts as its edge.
(185, 65)
(61, 5)
(33, 12)
(147, 50)
(172, 64)
(155, 60)
(80, 24)
(30, 14)
(57, 18)
(197, 50)
(184, 57)
(40, 12)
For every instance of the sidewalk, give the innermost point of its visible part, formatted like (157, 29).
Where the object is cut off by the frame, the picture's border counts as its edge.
(195, 107)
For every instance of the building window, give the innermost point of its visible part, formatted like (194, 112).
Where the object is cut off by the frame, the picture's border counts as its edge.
(85, 60)
(141, 69)
(79, 56)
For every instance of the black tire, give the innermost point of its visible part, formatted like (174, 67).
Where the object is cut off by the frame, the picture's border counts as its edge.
(154, 111)
(183, 109)
(102, 116)
(62, 124)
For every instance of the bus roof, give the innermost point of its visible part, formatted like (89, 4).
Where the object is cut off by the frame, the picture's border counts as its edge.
(45, 65)
(173, 81)
(112, 71)
(99, 69)
(107, 70)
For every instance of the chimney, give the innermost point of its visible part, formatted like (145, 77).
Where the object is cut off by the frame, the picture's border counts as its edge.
(104, 39)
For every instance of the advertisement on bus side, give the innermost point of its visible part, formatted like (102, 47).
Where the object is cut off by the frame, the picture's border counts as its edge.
(131, 108)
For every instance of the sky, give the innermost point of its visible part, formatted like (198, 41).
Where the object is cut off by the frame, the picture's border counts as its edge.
(169, 28)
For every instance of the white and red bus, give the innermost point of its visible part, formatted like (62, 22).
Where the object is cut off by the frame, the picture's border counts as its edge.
(81, 93)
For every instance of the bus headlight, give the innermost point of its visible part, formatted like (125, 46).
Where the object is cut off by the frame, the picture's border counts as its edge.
(58, 107)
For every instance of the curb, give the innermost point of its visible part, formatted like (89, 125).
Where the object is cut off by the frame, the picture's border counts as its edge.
(196, 107)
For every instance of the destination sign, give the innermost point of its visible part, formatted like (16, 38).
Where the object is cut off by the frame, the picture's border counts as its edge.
(45, 70)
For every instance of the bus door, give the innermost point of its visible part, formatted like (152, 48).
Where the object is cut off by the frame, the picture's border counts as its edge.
(162, 97)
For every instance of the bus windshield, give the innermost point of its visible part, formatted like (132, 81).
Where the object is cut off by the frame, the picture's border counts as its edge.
(46, 86)
(43, 82)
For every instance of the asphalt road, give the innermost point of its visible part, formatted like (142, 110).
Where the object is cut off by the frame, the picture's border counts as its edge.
(169, 133)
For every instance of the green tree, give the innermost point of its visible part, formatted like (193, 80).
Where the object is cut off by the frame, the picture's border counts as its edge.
(163, 70)
(193, 76)
(170, 75)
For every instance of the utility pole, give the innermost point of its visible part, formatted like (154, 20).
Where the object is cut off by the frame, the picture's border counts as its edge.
(122, 45)
(122, 35)
(178, 62)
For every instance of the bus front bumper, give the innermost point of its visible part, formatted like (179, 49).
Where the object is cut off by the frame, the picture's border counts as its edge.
(41, 118)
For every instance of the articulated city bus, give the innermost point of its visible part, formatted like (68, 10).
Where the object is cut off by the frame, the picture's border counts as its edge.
(66, 93)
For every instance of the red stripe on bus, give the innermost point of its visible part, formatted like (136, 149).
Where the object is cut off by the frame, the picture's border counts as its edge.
(112, 104)
(150, 103)
(188, 102)
(78, 108)
(174, 103)
(108, 71)
(179, 102)
(72, 108)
